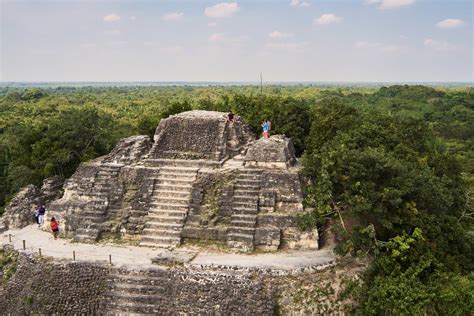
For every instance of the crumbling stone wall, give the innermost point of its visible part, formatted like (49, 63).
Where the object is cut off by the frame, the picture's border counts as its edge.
(43, 286)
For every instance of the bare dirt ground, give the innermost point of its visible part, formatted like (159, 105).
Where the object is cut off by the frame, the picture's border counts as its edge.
(141, 257)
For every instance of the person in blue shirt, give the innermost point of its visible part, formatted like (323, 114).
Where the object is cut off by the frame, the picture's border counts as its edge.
(266, 128)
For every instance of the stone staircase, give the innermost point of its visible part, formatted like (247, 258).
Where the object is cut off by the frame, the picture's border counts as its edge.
(169, 206)
(137, 292)
(94, 213)
(241, 232)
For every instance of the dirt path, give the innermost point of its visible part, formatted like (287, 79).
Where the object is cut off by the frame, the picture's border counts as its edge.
(140, 257)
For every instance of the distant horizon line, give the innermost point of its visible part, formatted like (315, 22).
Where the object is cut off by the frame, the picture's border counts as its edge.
(241, 82)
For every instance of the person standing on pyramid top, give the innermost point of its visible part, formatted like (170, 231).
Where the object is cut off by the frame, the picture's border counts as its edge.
(266, 128)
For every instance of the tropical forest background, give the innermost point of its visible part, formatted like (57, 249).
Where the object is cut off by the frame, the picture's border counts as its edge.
(390, 167)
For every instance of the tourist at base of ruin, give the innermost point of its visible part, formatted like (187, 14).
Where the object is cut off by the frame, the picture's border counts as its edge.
(54, 227)
(35, 212)
(41, 212)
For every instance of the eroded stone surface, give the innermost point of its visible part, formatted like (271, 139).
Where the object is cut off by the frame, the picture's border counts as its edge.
(20, 211)
(277, 151)
(228, 189)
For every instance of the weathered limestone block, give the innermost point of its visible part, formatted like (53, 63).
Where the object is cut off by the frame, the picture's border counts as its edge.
(277, 151)
(128, 150)
(205, 233)
(293, 238)
(282, 221)
(267, 200)
(268, 238)
(197, 135)
(286, 185)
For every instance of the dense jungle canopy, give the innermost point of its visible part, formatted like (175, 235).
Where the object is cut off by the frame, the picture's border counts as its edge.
(390, 167)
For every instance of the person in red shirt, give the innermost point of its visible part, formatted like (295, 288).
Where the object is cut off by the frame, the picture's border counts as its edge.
(54, 227)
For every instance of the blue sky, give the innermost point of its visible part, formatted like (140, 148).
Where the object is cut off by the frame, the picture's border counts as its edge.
(292, 40)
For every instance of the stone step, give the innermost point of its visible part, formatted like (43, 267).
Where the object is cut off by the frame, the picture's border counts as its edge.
(165, 212)
(167, 206)
(173, 187)
(245, 204)
(250, 176)
(245, 187)
(131, 308)
(241, 230)
(131, 279)
(187, 163)
(171, 193)
(165, 219)
(179, 169)
(171, 181)
(244, 217)
(164, 226)
(249, 224)
(240, 237)
(161, 233)
(118, 287)
(246, 190)
(171, 200)
(172, 175)
(246, 199)
(250, 170)
(253, 183)
(245, 211)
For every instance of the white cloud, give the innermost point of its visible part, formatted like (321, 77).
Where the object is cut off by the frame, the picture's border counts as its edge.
(439, 45)
(113, 32)
(222, 10)
(216, 37)
(112, 17)
(298, 3)
(132, 18)
(389, 4)
(450, 23)
(327, 18)
(212, 24)
(280, 35)
(172, 16)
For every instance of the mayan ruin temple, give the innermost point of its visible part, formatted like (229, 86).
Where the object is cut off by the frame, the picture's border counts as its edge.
(201, 178)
